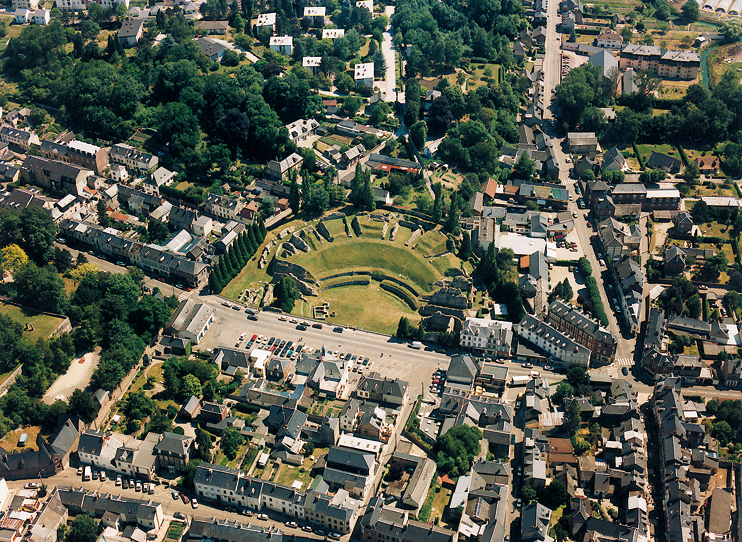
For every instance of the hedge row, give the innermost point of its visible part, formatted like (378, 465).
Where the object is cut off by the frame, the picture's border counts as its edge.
(598, 310)
(588, 31)
(683, 156)
(639, 157)
(737, 189)
(712, 240)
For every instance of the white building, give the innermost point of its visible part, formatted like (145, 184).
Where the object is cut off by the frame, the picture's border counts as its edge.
(132, 158)
(332, 33)
(266, 19)
(31, 5)
(301, 129)
(283, 45)
(493, 337)
(191, 321)
(312, 63)
(561, 347)
(111, 4)
(366, 4)
(72, 5)
(23, 16)
(363, 74)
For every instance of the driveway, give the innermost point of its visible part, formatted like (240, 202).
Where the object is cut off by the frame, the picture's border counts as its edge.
(250, 56)
(77, 376)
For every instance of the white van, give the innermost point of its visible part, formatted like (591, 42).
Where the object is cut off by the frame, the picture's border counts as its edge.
(417, 345)
(87, 474)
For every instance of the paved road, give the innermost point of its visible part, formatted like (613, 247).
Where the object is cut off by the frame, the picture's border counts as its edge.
(552, 58)
(389, 85)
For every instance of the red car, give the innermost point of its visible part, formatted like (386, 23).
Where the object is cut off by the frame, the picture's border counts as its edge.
(185, 499)
(254, 337)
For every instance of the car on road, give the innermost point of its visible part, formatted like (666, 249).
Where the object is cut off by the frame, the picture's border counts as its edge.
(317, 326)
(319, 532)
(180, 285)
(139, 486)
(179, 515)
(528, 365)
(333, 536)
(519, 503)
(225, 303)
(292, 524)
(548, 367)
(264, 517)
(247, 513)
(194, 503)
(282, 318)
(306, 529)
(602, 262)
(574, 214)
(625, 371)
(79, 471)
(185, 499)
(125, 484)
(102, 476)
(32, 485)
(236, 307)
(118, 480)
(176, 494)
(337, 329)
(252, 317)
(301, 327)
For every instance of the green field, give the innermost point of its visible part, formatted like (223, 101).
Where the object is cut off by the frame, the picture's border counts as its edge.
(43, 324)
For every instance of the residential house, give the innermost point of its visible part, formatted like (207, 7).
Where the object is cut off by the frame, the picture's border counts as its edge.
(54, 175)
(667, 64)
(383, 390)
(131, 32)
(277, 369)
(535, 523)
(278, 171)
(613, 160)
(609, 39)
(211, 27)
(266, 20)
(585, 330)
(582, 143)
(283, 45)
(191, 408)
(666, 163)
(312, 63)
(22, 16)
(315, 14)
(352, 156)
(133, 159)
(173, 451)
(674, 260)
(333, 33)
(561, 347)
(493, 337)
(363, 74)
(351, 470)
(619, 239)
(628, 276)
(17, 137)
(708, 165)
(302, 129)
(160, 177)
(380, 524)
(213, 412)
(222, 206)
(212, 48)
(42, 17)
(225, 530)
(684, 223)
(32, 5)
(190, 321)
(146, 514)
(381, 196)
(607, 65)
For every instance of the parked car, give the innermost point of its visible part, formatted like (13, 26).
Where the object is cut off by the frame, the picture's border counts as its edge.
(32, 485)
(306, 529)
(264, 517)
(317, 326)
(102, 476)
(337, 329)
(625, 371)
(118, 480)
(194, 503)
(292, 524)
(125, 484)
(334, 536)
(185, 499)
(179, 515)
(79, 471)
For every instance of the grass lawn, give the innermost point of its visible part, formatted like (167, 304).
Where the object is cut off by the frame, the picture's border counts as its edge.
(43, 324)
(440, 503)
(10, 441)
(715, 230)
(249, 459)
(646, 151)
(718, 190)
(365, 253)
(402, 234)
(287, 474)
(631, 160)
(556, 515)
(368, 307)
(477, 73)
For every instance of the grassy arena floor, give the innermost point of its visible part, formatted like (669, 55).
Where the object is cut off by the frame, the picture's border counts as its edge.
(368, 307)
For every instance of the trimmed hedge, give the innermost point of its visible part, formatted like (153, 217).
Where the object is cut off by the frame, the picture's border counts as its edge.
(639, 156)
(683, 156)
(588, 31)
(737, 189)
(598, 310)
